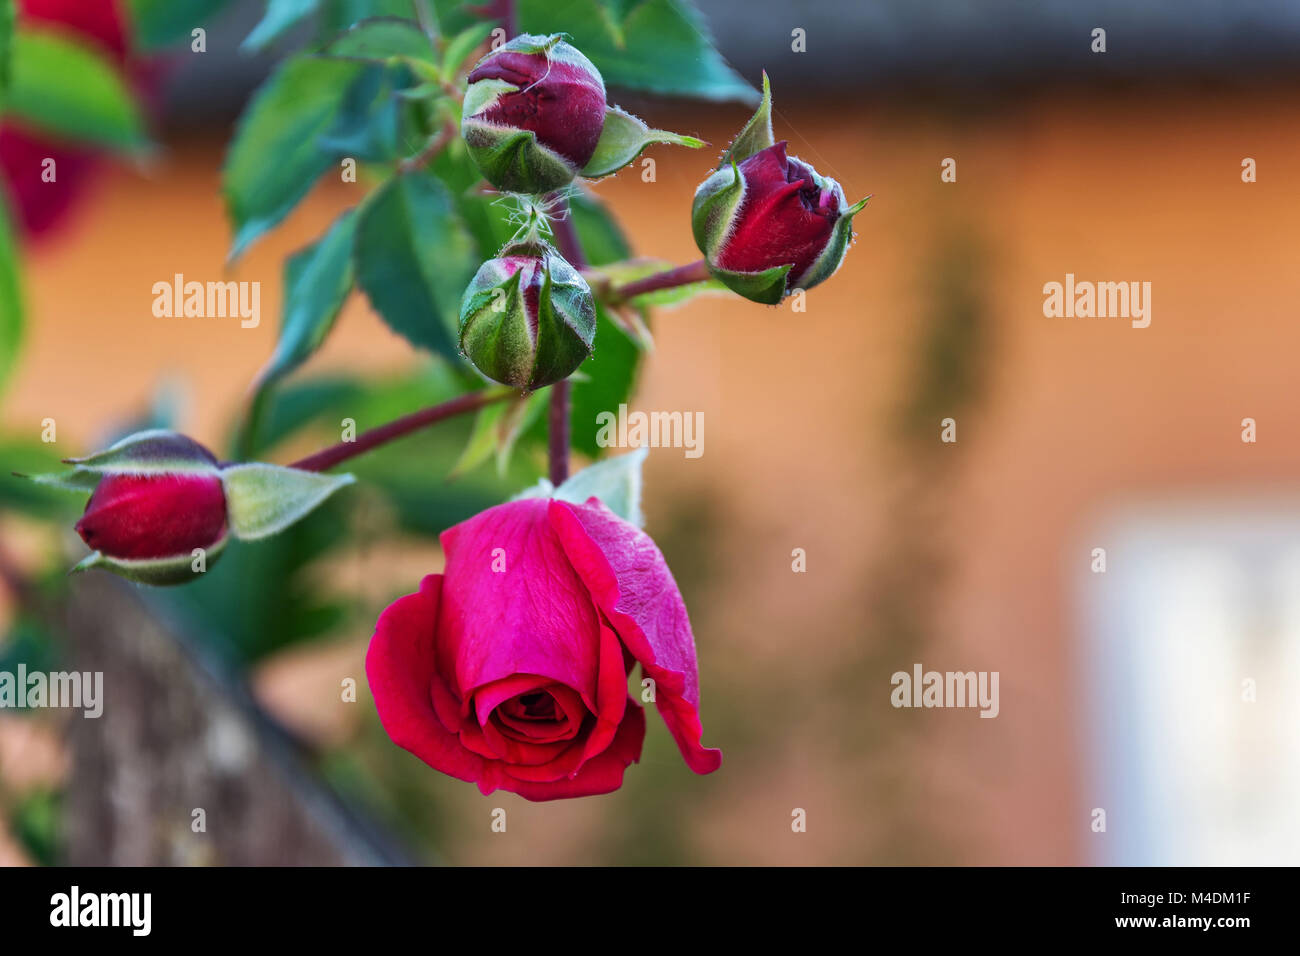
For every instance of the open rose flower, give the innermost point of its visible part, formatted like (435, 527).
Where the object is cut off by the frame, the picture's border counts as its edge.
(510, 669)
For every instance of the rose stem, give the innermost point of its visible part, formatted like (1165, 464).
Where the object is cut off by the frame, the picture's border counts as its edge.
(566, 237)
(333, 455)
(668, 279)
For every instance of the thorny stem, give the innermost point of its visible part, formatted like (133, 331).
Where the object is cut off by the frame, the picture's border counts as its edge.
(566, 237)
(369, 440)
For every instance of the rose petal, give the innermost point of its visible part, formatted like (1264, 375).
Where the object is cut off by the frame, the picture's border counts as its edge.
(601, 774)
(401, 669)
(631, 583)
(535, 617)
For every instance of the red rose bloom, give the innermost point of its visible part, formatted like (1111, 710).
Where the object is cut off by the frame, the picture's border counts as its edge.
(510, 669)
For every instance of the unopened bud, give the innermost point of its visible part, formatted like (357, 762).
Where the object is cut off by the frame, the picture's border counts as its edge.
(527, 318)
(533, 114)
(768, 223)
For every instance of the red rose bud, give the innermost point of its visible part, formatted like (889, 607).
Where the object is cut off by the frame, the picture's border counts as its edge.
(533, 114)
(162, 506)
(158, 498)
(766, 222)
(527, 318)
(154, 516)
(772, 225)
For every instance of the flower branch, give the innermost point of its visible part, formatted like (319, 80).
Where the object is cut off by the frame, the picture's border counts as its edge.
(616, 293)
(383, 434)
(566, 237)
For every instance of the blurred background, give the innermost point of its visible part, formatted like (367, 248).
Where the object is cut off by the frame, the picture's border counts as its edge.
(1164, 690)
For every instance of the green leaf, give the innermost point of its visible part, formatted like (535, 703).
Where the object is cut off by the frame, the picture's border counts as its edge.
(662, 46)
(11, 300)
(497, 428)
(610, 373)
(482, 440)
(159, 23)
(317, 279)
(28, 483)
(462, 46)
(756, 134)
(265, 499)
(414, 258)
(623, 138)
(281, 16)
(291, 408)
(338, 15)
(381, 40)
(69, 90)
(6, 43)
(367, 126)
(274, 158)
(615, 481)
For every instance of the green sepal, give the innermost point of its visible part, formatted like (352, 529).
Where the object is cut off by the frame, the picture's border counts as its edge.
(153, 452)
(79, 480)
(513, 160)
(767, 287)
(623, 138)
(381, 40)
(462, 45)
(836, 249)
(263, 499)
(756, 134)
(616, 482)
(508, 346)
(714, 208)
(178, 569)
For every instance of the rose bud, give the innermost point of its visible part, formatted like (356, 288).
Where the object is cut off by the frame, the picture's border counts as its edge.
(527, 318)
(533, 114)
(146, 523)
(162, 507)
(154, 516)
(510, 668)
(768, 223)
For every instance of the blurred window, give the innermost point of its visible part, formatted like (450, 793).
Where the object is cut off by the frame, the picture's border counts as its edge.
(1194, 605)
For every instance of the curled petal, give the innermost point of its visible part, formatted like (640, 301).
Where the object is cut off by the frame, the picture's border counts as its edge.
(631, 584)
